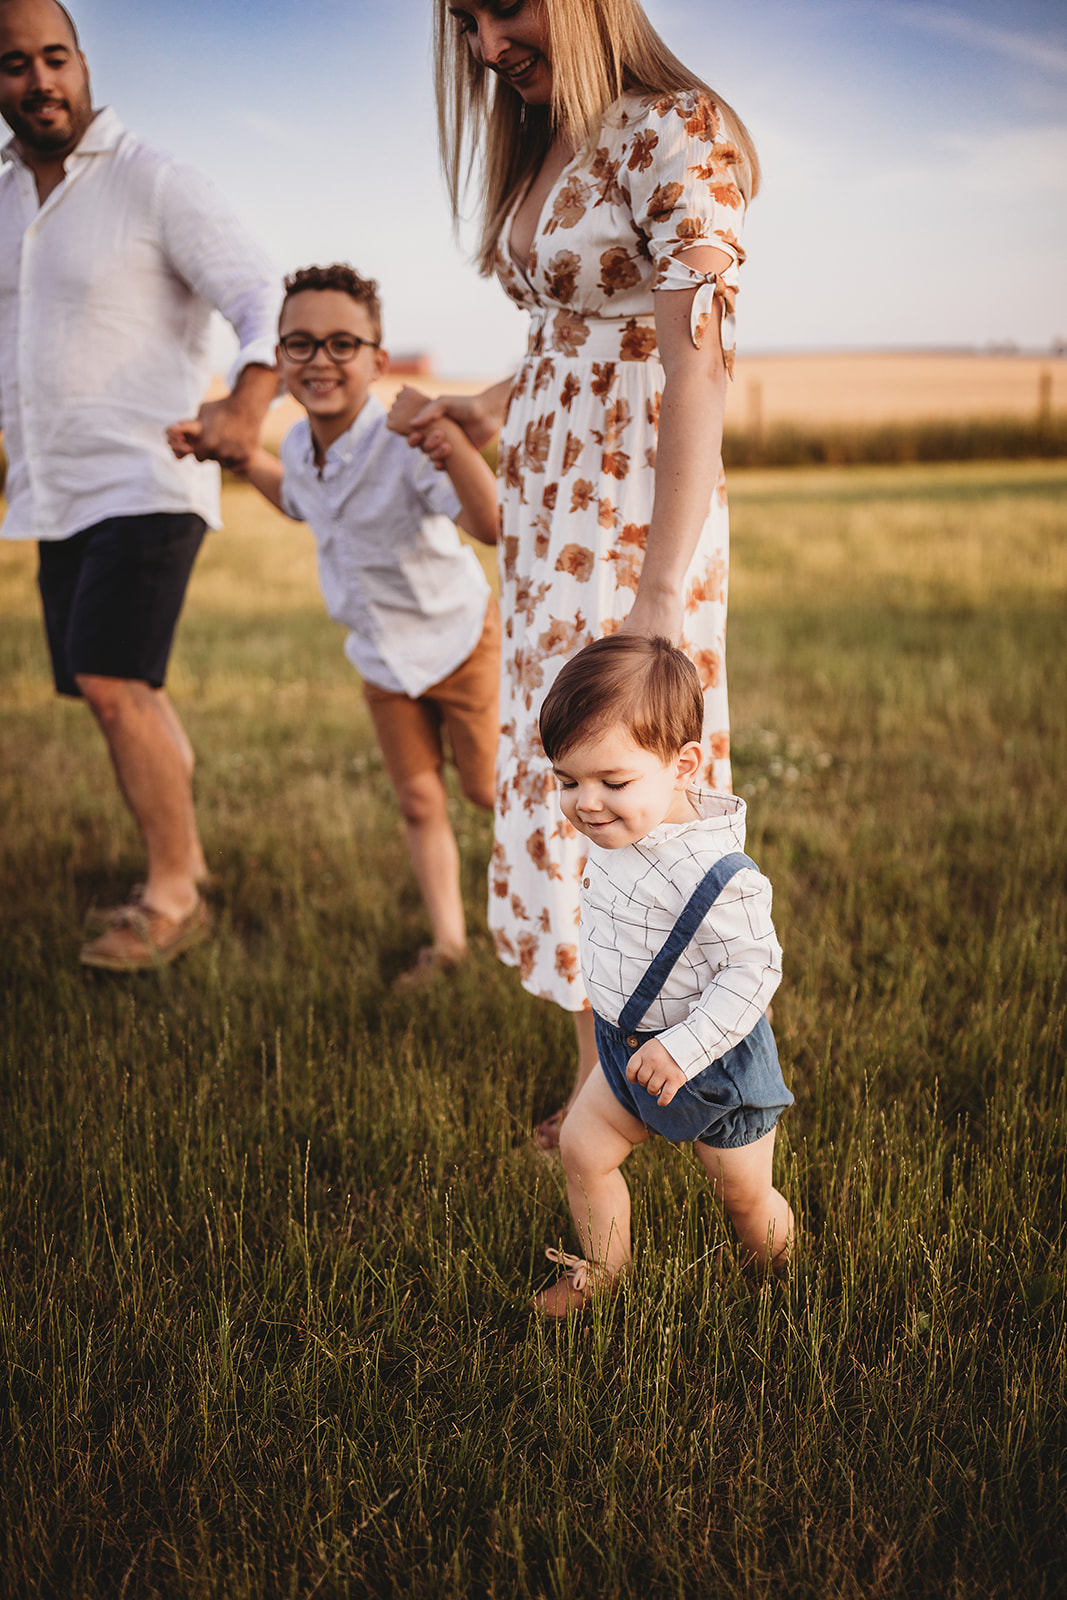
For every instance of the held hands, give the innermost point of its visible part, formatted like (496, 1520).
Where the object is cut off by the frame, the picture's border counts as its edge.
(475, 414)
(657, 1071)
(226, 431)
(405, 408)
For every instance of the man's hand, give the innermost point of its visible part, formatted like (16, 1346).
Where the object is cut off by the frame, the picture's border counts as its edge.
(657, 1071)
(227, 430)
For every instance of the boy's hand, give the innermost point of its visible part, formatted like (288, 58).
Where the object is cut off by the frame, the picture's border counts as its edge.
(183, 437)
(405, 408)
(657, 1071)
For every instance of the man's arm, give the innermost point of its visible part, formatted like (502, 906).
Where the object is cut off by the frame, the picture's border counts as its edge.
(211, 251)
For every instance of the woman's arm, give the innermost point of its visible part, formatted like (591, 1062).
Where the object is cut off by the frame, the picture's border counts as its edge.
(687, 452)
(481, 416)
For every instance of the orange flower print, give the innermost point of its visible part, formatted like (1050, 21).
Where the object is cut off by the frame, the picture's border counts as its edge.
(645, 141)
(704, 322)
(581, 494)
(499, 870)
(709, 667)
(537, 849)
(577, 560)
(546, 371)
(652, 410)
(635, 533)
(719, 744)
(610, 625)
(607, 516)
(627, 567)
(569, 332)
(663, 201)
(617, 418)
(603, 378)
(511, 556)
(570, 205)
(543, 530)
(572, 449)
(637, 343)
(528, 674)
(606, 173)
(689, 231)
(567, 961)
(723, 155)
(518, 909)
(703, 121)
(503, 946)
(544, 921)
(616, 463)
(562, 638)
(548, 499)
(561, 276)
(725, 194)
(617, 270)
(528, 947)
(571, 387)
(650, 458)
(720, 488)
(512, 467)
(538, 438)
(710, 586)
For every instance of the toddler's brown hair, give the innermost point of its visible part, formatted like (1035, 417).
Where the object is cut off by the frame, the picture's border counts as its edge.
(645, 683)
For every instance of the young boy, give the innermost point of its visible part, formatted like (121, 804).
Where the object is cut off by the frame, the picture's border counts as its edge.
(424, 627)
(678, 954)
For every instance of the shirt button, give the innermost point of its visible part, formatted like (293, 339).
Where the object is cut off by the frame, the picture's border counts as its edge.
(631, 1040)
(585, 883)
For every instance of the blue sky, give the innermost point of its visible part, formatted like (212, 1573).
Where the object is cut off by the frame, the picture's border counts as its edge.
(915, 157)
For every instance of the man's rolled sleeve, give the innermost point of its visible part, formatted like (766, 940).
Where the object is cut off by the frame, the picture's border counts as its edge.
(214, 254)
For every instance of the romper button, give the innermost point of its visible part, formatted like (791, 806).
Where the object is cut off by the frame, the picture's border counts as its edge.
(631, 1040)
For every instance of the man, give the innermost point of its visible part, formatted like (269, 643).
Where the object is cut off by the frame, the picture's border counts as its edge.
(112, 258)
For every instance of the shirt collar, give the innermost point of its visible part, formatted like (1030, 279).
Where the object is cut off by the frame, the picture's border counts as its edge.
(369, 414)
(101, 136)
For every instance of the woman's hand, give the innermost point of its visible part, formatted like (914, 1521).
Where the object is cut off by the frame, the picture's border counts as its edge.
(481, 416)
(659, 615)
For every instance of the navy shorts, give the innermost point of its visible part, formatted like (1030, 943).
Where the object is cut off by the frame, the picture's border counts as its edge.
(732, 1103)
(112, 595)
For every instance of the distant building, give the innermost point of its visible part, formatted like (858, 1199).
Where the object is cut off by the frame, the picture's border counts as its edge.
(411, 364)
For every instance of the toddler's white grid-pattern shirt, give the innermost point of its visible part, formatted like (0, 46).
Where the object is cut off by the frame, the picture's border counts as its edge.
(630, 900)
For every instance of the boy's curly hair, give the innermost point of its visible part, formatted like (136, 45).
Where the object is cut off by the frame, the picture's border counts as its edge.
(341, 276)
(645, 683)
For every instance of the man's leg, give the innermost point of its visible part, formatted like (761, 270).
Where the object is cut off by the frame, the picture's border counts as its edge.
(154, 775)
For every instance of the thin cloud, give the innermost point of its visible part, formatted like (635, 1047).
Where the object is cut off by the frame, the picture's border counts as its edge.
(1044, 53)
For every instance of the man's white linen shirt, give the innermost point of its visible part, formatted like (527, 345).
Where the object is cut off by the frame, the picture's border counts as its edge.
(106, 294)
(391, 564)
(631, 898)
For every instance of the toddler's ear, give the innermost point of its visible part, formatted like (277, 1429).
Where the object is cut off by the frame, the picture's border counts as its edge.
(690, 758)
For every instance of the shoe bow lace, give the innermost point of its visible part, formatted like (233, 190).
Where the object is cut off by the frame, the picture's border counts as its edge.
(576, 1268)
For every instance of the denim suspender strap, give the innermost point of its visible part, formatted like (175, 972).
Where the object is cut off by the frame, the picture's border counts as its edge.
(693, 913)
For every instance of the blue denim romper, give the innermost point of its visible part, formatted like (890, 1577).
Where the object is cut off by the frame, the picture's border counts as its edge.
(735, 1100)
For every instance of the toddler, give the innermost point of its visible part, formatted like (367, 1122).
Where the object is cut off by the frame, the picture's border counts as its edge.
(678, 954)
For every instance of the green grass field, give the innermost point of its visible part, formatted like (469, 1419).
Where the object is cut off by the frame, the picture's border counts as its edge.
(269, 1231)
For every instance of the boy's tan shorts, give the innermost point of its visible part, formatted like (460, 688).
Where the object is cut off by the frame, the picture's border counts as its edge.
(466, 703)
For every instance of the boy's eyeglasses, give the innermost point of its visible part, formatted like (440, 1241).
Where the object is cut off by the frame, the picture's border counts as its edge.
(340, 347)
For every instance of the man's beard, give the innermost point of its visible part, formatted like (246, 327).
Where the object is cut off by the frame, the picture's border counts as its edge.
(51, 141)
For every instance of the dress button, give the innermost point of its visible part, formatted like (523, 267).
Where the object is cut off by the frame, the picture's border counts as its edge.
(631, 1040)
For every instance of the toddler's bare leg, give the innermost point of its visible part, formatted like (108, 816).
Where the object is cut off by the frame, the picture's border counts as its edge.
(762, 1219)
(596, 1138)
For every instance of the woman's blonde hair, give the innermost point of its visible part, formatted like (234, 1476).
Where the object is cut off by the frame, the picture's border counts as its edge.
(478, 115)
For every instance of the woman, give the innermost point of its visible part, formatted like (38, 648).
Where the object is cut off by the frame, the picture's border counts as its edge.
(614, 187)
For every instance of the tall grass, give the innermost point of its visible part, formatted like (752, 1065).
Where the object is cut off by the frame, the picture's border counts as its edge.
(270, 1231)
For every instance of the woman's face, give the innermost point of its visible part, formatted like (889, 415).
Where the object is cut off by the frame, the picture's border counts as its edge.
(512, 41)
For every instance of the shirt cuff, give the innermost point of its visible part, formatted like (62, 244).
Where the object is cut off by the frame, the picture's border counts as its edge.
(684, 1046)
(260, 353)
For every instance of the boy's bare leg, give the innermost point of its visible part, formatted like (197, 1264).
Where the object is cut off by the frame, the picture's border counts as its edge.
(154, 778)
(434, 853)
(547, 1133)
(597, 1137)
(742, 1180)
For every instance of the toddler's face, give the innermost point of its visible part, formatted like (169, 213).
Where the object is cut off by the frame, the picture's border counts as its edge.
(614, 792)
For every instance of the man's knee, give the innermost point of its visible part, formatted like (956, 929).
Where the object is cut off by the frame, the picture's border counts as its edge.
(112, 698)
(422, 798)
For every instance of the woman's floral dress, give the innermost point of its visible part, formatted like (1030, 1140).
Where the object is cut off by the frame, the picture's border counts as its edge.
(577, 475)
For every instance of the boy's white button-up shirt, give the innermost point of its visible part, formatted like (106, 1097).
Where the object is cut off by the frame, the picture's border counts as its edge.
(630, 900)
(391, 564)
(106, 294)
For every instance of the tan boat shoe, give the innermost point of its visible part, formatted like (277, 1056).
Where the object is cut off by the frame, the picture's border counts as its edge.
(138, 938)
(575, 1289)
(430, 964)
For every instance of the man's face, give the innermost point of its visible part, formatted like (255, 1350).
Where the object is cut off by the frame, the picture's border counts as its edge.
(44, 82)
